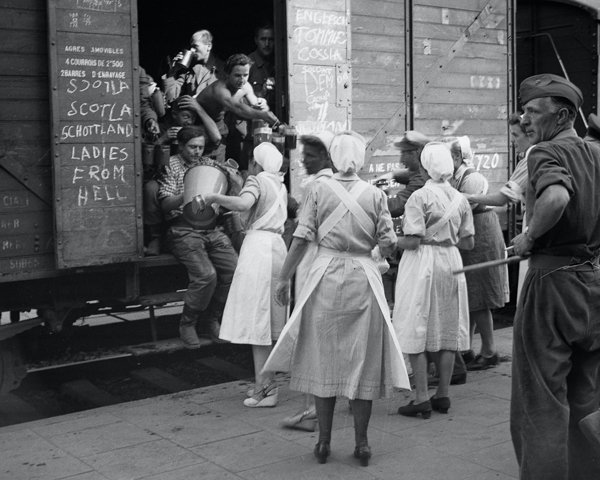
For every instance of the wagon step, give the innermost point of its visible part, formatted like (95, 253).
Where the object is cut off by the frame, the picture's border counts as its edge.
(162, 346)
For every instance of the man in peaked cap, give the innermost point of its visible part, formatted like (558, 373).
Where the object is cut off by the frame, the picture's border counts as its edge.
(410, 145)
(555, 381)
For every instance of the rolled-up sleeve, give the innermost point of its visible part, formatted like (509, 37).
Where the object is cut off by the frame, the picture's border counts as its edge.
(252, 187)
(307, 220)
(545, 170)
(413, 222)
(386, 236)
(516, 186)
(467, 228)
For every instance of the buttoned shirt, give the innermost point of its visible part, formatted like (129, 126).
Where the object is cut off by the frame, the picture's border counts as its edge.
(171, 183)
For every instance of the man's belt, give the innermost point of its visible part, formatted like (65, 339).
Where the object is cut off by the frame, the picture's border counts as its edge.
(183, 223)
(555, 262)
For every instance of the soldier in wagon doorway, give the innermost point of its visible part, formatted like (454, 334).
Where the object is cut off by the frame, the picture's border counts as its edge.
(206, 252)
(203, 70)
(262, 72)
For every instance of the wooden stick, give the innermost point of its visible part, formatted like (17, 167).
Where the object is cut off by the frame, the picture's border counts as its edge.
(490, 264)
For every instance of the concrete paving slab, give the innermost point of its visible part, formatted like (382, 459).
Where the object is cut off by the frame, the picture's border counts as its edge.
(498, 386)
(306, 468)
(457, 437)
(103, 438)
(184, 422)
(140, 461)
(500, 458)
(207, 433)
(250, 451)
(206, 470)
(26, 455)
(89, 476)
(342, 443)
(482, 409)
(421, 462)
(74, 423)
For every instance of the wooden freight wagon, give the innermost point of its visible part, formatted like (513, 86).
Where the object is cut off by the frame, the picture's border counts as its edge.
(71, 221)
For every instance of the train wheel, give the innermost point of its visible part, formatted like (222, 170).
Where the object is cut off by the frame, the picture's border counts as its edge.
(12, 368)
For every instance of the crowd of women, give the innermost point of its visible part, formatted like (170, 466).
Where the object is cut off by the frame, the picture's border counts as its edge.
(340, 339)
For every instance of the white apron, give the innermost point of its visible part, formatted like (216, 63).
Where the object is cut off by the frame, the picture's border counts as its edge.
(281, 357)
(252, 315)
(431, 310)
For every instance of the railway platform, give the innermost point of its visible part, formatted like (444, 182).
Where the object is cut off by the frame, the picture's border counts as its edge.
(208, 434)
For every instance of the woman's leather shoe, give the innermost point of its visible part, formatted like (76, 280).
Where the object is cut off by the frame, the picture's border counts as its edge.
(363, 453)
(306, 420)
(468, 356)
(265, 397)
(483, 363)
(441, 404)
(412, 410)
(322, 451)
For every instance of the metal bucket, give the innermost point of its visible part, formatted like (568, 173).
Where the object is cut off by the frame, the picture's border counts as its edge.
(162, 154)
(147, 154)
(200, 180)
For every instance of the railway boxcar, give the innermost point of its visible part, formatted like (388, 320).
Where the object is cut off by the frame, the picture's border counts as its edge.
(71, 221)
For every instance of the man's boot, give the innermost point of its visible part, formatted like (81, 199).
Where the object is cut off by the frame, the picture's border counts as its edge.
(187, 328)
(155, 243)
(211, 320)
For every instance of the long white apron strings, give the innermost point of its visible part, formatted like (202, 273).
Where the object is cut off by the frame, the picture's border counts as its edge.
(456, 201)
(279, 203)
(348, 203)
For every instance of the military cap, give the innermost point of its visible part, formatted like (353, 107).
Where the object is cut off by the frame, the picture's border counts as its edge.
(548, 85)
(411, 141)
(593, 129)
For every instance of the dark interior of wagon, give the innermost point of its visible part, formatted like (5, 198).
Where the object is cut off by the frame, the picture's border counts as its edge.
(165, 27)
(557, 38)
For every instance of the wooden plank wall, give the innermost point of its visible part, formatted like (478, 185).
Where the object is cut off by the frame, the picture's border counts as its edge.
(320, 77)
(461, 77)
(378, 70)
(26, 231)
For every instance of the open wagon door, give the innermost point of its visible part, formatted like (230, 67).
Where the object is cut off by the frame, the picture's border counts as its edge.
(319, 70)
(94, 90)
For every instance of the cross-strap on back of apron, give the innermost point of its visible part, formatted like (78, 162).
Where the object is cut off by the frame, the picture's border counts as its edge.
(278, 203)
(348, 203)
(454, 204)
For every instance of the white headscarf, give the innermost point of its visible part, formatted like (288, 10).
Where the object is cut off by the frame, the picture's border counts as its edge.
(268, 157)
(348, 152)
(465, 148)
(437, 160)
(326, 136)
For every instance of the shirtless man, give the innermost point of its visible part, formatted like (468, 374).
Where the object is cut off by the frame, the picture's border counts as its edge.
(235, 94)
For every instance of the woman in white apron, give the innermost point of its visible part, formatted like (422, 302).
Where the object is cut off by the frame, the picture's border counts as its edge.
(487, 288)
(431, 313)
(514, 190)
(317, 163)
(252, 315)
(339, 340)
